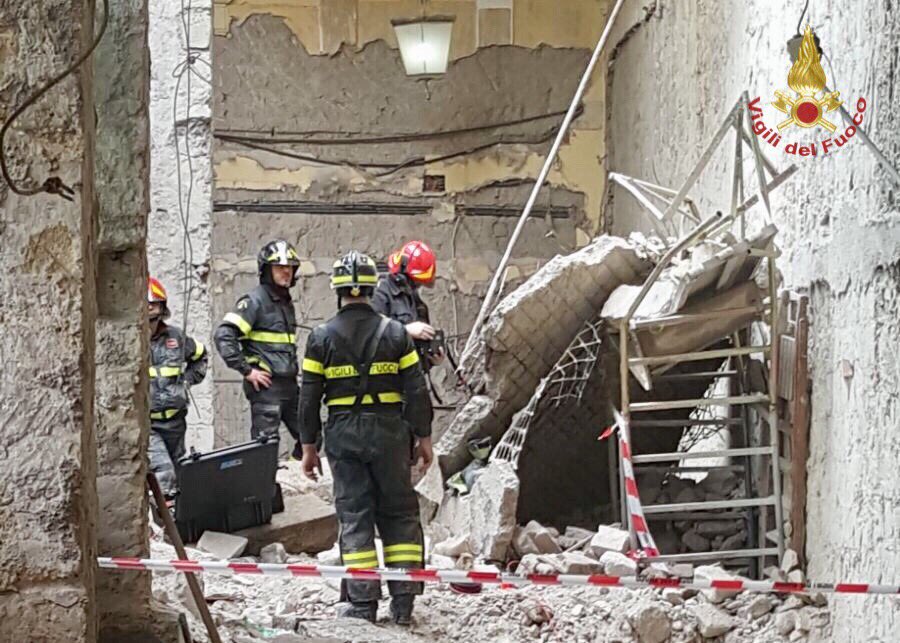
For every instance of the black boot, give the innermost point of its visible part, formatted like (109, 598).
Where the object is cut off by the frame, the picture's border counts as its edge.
(367, 610)
(401, 608)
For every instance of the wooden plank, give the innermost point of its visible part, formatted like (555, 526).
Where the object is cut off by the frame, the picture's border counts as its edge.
(786, 371)
(800, 434)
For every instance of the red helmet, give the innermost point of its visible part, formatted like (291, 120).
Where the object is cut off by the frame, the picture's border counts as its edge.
(416, 260)
(155, 291)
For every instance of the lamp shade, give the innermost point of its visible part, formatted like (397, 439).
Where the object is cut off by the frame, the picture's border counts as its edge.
(424, 45)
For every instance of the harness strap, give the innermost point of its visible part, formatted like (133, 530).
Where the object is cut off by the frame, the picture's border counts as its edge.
(365, 364)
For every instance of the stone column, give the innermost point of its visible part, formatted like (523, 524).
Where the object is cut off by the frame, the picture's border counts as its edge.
(122, 169)
(47, 312)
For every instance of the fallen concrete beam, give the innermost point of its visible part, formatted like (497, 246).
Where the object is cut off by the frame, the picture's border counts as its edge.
(528, 332)
(307, 524)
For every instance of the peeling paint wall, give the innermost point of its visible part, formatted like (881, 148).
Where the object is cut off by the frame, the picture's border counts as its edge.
(320, 137)
(671, 84)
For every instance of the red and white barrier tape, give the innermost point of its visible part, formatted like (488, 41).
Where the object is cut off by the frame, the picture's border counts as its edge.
(636, 519)
(481, 578)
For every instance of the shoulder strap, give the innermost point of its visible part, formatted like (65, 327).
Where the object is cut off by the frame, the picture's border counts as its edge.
(365, 364)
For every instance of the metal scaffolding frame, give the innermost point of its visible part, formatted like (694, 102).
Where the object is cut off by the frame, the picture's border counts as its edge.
(670, 211)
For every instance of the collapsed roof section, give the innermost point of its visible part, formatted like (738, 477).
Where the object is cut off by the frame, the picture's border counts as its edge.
(526, 334)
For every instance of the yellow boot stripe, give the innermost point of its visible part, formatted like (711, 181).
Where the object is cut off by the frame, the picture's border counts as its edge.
(402, 558)
(371, 564)
(360, 555)
(403, 547)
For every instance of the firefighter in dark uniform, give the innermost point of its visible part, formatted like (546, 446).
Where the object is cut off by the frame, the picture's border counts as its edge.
(397, 295)
(366, 368)
(257, 340)
(176, 363)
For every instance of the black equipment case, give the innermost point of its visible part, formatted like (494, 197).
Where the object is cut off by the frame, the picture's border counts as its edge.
(227, 489)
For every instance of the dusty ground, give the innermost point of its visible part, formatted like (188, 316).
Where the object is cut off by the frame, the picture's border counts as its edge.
(252, 609)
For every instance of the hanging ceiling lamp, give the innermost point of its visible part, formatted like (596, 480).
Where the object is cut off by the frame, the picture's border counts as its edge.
(424, 44)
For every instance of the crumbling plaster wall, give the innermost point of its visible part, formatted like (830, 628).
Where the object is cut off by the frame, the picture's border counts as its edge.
(48, 501)
(288, 73)
(121, 175)
(839, 221)
(180, 147)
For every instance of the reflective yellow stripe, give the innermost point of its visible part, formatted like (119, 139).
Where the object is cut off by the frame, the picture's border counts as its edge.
(268, 337)
(385, 368)
(405, 547)
(240, 322)
(165, 371)
(165, 415)
(337, 372)
(409, 359)
(198, 352)
(363, 565)
(384, 398)
(360, 555)
(402, 558)
(361, 279)
(313, 366)
(347, 401)
(259, 362)
(348, 370)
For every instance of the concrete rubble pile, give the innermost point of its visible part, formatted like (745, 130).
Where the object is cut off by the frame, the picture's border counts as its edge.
(257, 609)
(695, 535)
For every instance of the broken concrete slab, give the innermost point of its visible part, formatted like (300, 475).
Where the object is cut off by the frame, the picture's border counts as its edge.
(274, 553)
(789, 561)
(534, 538)
(609, 539)
(711, 621)
(331, 556)
(650, 622)
(486, 517)
(617, 564)
(222, 546)
(492, 516)
(306, 525)
(454, 546)
(539, 318)
(714, 572)
(430, 490)
(574, 536)
(574, 562)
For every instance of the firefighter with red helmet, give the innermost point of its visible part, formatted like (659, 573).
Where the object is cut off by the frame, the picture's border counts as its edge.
(177, 362)
(257, 339)
(411, 268)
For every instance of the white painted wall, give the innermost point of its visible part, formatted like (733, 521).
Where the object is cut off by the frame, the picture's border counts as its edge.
(168, 52)
(674, 79)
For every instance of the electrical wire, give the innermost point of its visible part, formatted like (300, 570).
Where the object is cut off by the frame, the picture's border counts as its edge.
(54, 184)
(183, 72)
(418, 161)
(387, 138)
(802, 14)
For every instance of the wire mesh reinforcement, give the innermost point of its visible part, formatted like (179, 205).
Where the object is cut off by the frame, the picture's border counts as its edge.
(565, 382)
